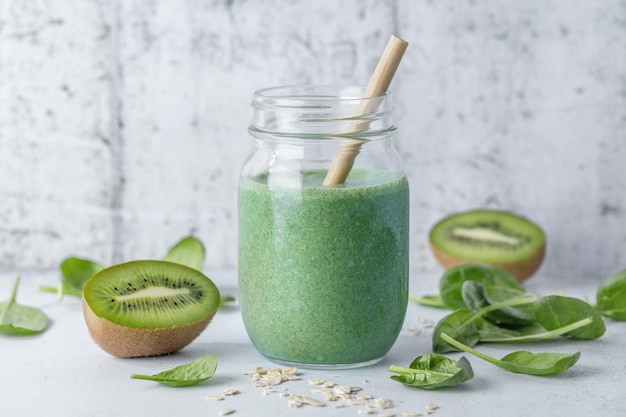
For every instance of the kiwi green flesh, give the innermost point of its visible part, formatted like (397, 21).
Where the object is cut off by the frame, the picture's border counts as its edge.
(151, 294)
(487, 236)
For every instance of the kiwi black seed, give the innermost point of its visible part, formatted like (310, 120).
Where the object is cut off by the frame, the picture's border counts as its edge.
(492, 237)
(147, 308)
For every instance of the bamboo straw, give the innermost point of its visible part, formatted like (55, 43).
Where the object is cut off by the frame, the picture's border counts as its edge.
(378, 85)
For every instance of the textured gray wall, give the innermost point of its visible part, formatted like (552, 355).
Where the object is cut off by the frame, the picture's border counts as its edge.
(123, 123)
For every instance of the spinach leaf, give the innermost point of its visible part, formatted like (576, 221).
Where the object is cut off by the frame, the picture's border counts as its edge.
(16, 319)
(463, 324)
(428, 300)
(477, 296)
(471, 328)
(451, 282)
(556, 311)
(186, 375)
(74, 273)
(611, 297)
(189, 251)
(490, 333)
(524, 362)
(433, 371)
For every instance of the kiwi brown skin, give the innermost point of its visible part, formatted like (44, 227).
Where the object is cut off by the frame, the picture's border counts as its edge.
(520, 270)
(129, 342)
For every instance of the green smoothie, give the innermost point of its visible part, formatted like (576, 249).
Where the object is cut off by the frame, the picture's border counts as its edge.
(323, 272)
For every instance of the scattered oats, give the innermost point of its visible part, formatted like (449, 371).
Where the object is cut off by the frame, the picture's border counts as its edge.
(428, 323)
(226, 411)
(430, 408)
(231, 392)
(269, 377)
(346, 389)
(290, 371)
(355, 401)
(269, 389)
(328, 395)
(312, 401)
(294, 401)
(300, 400)
(383, 403)
(342, 389)
(256, 371)
(274, 379)
(214, 397)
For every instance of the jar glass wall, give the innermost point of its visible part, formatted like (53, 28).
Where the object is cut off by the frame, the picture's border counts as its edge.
(323, 269)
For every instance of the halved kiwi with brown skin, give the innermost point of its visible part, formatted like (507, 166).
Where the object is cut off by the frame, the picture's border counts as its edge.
(148, 308)
(498, 238)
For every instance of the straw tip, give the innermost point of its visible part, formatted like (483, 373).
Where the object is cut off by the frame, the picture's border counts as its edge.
(394, 38)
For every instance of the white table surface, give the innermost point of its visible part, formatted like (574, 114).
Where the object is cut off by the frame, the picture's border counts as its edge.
(62, 372)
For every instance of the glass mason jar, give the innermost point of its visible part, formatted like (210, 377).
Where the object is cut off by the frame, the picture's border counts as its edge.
(323, 269)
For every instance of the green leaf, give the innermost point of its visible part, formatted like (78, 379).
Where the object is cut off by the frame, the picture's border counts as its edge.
(451, 282)
(462, 324)
(433, 371)
(611, 297)
(428, 301)
(546, 363)
(186, 375)
(555, 311)
(74, 273)
(226, 301)
(465, 325)
(489, 331)
(189, 251)
(524, 362)
(16, 319)
(477, 296)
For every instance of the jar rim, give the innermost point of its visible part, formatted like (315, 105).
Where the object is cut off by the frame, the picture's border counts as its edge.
(317, 111)
(298, 94)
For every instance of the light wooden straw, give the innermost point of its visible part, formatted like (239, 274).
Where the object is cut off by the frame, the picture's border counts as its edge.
(378, 85)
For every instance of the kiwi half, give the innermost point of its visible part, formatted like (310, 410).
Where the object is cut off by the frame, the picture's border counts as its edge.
(148, 308)
(492, 237)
